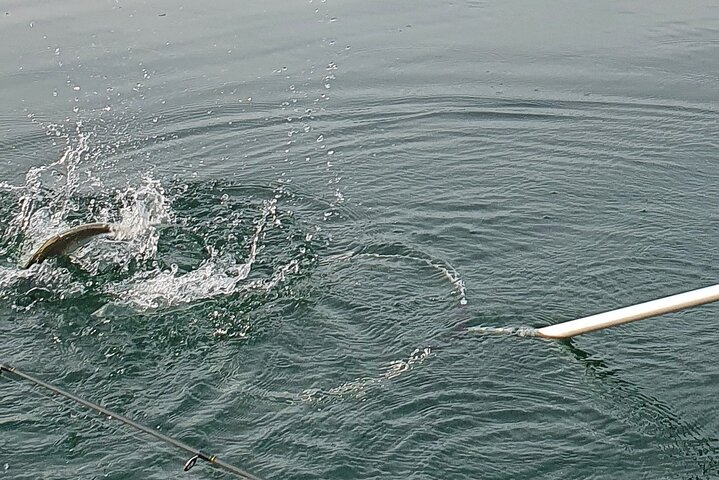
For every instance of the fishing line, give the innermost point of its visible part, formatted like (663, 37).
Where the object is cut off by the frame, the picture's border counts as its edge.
(196, 454)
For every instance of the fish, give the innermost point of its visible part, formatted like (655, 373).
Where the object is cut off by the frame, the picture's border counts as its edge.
(67, 242)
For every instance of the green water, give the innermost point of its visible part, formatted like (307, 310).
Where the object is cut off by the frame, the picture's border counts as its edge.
(318, 199)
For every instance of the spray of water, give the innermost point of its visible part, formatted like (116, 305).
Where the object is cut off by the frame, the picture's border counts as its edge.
(48, 197)
(125, 268)
(218, 275)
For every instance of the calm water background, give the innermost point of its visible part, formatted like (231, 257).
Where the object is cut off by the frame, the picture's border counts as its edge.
(322, 197)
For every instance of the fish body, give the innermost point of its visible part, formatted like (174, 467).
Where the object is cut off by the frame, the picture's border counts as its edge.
(67, 241)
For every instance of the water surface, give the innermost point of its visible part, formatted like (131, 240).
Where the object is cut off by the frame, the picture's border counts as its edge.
(321, 201)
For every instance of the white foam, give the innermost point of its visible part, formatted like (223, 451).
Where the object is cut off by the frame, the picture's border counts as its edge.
(516, 331)
(360, 387)
(220, 275)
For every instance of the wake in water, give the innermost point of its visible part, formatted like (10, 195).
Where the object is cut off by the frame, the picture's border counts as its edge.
(446, 270)
(360, 387)
(516, 331)
(395, 255)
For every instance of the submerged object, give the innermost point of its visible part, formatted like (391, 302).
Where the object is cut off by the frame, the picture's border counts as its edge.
(631, 313)
(67, 242)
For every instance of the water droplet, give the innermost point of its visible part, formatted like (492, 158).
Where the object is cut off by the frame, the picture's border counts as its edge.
(330, 152)
(76, 88)
(320, 138)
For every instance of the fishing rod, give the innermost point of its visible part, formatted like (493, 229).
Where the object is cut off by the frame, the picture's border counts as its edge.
(196, 454)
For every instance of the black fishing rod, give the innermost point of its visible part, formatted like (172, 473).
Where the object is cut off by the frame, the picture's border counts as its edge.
(196, 454)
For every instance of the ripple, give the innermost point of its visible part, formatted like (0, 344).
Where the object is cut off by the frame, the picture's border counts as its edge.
(333, 282)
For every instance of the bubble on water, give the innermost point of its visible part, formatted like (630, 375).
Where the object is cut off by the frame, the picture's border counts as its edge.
(516, 331)
(360, 387)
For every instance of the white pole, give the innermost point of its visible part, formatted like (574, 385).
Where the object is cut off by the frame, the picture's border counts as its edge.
(631, 313)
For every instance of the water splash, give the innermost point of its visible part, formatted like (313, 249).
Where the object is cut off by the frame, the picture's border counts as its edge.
(219, 275)
(48, 196)
(63, 194)
(143, 208)
(129, 267)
